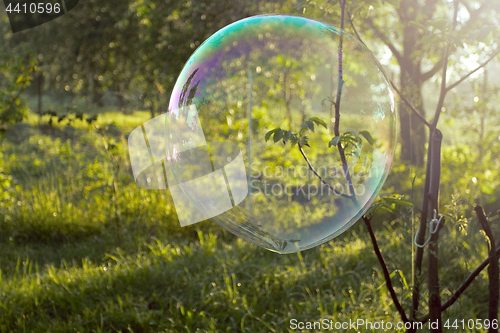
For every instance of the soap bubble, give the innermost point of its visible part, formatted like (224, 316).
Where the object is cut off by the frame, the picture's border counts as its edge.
(281, 73)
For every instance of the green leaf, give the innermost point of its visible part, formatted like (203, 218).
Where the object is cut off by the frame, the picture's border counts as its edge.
(308, 125)
(287, 136)
(487, 41)
(455, 40)
(485, 188)
(440, 24)
(397, 202)
(430, 39)
(417, 25)
(319, 122)
(271, 132)
(278, 135)
(474, 35)
(404, 280)
(304, 141)
(334, 141)
(328, 99)
(394, 3)
(368, 137)
(484, 34)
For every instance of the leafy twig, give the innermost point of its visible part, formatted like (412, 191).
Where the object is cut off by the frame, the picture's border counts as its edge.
(299, 139)
(336, 128)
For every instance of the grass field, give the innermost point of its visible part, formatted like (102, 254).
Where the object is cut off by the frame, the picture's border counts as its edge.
(76, 256)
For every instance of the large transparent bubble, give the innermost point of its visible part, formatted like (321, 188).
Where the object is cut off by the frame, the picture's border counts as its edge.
(304, 185)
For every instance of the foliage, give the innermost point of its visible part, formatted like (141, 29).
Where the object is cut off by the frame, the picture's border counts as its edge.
(16, 72)
(416, 34)
(348, 139)
(132, 48)
(295, 138)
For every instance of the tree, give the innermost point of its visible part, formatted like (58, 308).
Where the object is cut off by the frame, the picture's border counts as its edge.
(16, 73)
(170, 31)
(448, 35)
(415, 32)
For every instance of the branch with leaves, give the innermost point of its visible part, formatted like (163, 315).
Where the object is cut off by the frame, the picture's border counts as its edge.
(348, 140)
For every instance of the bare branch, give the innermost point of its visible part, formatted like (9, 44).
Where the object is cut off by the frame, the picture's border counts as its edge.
(341, 79)
(429, 8)
(387, 276)
(492, 268)
(446, 55)
(474, 14)
(419, 116)
(337, 105)
(385, 40)
(481, 65)
(462, 288)
(427, 75)
(319, 177)
(412, 108)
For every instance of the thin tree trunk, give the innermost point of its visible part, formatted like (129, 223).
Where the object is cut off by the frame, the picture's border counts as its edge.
(40, 95)
(412, 130)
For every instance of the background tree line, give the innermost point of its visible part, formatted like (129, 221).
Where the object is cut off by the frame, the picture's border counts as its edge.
(135, 49)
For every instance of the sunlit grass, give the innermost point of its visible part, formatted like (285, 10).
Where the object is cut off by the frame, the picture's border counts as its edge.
(66, 264)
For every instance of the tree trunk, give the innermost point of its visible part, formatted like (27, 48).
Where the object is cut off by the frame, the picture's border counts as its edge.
(40, 94)
(90, 91)
(121, 97)
(152, 110)
(412, 129)
(98, 93)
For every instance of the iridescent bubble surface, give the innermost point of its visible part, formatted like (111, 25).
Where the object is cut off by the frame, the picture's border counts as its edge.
(269, 72)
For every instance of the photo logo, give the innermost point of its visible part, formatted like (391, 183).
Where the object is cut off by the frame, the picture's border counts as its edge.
(214, 172)
(25, 15)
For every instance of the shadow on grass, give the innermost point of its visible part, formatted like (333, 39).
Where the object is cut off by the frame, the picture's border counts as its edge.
(206, 285)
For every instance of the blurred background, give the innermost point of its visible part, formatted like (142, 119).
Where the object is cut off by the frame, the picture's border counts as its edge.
(82, 248)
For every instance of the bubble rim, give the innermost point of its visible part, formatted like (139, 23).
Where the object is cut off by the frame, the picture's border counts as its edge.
(315, 23)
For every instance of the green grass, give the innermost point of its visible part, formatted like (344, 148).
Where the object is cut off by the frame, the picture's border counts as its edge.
(66, 265)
